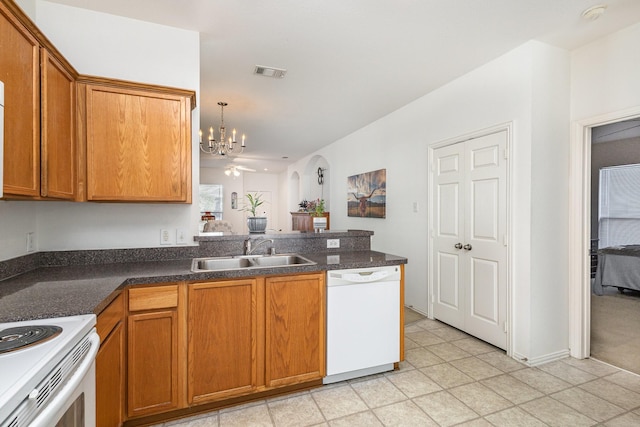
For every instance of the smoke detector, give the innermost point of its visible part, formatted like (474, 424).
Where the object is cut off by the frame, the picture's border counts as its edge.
(276, 73)
(594, 12)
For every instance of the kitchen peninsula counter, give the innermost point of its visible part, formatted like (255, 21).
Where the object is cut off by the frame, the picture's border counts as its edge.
(84, 288)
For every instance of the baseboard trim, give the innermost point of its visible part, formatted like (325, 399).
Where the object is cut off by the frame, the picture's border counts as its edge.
(541, 360)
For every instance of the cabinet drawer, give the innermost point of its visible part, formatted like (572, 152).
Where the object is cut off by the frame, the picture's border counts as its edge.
(109, 318)
(152, 298)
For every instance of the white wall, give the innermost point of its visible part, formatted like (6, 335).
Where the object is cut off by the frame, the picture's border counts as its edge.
(605, 75)
(548, 296)
(116, 47)
(604, 87)
(502, 91)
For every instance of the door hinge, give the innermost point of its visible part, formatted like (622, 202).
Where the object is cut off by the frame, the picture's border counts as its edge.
(505, 240)
(505, 327)
(506, 153)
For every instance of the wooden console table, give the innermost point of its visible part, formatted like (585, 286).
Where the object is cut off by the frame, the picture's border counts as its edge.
(303, 221)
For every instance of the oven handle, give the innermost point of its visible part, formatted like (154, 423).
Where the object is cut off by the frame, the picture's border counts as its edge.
(44, 418)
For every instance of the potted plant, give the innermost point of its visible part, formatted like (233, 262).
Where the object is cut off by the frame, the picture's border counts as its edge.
(319, 208)
(255, 223)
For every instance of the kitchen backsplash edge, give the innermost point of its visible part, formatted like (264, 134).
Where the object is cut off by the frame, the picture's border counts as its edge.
(356, 240)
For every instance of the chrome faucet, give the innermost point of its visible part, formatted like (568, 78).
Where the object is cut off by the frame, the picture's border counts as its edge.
(249, 247)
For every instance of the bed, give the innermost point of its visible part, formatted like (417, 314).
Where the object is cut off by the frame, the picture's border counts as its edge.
(619, 267)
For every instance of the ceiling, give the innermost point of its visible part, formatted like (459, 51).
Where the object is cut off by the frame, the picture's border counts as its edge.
(616, 131)
(348, 62)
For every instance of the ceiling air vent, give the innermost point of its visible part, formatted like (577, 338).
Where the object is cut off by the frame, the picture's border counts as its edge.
(276, 73)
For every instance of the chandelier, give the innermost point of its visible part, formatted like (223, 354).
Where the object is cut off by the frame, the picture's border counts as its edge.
(221, 147)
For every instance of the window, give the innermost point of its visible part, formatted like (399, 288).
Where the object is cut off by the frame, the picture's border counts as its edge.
(211, 206)
(619, 206)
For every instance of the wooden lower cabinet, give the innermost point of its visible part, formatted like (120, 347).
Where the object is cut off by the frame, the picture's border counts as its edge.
(110, 377)
(295, 329)
(223, 328)
(191, 344)
(110, 367)
(154, 350)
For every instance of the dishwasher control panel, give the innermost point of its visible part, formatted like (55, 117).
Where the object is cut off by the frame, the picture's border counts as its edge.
(363, 275)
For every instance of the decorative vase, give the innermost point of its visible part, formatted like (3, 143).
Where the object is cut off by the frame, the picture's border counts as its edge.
(257, 224)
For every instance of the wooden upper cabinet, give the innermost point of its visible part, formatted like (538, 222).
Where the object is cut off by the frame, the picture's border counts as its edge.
(20, 72)
(138, 143)
(85, 138)
(59, 156)
(40, 157)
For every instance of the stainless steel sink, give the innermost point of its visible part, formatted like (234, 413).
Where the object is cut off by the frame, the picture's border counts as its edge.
(208, 264)
(243, 262)
(280, 260)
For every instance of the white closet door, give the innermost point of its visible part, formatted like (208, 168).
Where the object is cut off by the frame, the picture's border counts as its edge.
(448, 192)
(470, 256)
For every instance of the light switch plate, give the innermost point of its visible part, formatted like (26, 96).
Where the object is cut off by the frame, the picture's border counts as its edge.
(181, 236)
(31, 246)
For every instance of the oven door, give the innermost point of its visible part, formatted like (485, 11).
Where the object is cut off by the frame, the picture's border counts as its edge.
(75, 404)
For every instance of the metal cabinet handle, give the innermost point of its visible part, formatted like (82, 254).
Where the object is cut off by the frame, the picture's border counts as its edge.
(458, 246)
(467, 247)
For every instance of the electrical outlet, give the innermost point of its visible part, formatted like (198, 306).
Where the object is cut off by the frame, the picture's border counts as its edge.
(31, 241)
(333, 243)
(333, 259)
(181, 236)
(165, 237)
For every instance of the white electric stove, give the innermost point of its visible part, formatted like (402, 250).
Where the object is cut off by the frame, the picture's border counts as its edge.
(50, 381)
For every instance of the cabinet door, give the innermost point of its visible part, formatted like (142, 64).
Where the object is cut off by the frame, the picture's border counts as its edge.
(58, 153)
(138, 145)
(295, 329)
(110, 365)
(222, 325)
(20, 72)
(110, 379)
(152, 363)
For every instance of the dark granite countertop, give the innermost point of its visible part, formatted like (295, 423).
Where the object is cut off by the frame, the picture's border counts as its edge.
(57, 291)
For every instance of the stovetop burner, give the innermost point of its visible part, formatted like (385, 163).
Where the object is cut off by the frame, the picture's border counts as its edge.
(23, 336)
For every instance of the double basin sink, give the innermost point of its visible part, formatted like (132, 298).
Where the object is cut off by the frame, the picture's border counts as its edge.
(244, 262)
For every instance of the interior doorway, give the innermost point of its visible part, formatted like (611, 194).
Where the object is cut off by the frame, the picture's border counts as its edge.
(615, 236)
(580, 244)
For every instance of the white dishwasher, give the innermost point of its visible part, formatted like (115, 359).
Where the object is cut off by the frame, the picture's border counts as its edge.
(363, 322)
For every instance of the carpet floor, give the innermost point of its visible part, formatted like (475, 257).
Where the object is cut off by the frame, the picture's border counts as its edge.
(615, 328)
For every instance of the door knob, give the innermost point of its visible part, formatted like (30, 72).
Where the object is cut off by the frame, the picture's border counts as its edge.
(458, 246)
(467, 247)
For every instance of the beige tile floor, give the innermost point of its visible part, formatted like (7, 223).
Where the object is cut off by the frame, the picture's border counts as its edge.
(450, 378)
